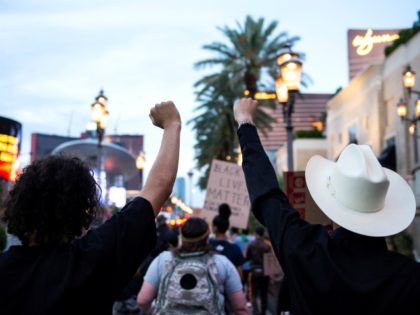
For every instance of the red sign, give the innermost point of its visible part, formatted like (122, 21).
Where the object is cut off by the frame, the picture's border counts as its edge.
(296, 191)
(300, 198)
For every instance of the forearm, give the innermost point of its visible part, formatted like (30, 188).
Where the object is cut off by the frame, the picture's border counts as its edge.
(259, 173)
(162, 176)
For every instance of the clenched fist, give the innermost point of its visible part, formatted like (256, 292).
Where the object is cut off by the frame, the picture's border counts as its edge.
(164, 114)
(244, 110)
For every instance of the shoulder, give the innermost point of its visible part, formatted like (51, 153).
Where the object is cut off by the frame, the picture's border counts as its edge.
(165, 256)
(138, 202)
(222, 261)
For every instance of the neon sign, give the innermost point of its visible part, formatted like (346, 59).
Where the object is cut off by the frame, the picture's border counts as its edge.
(10, 135)
(364, 43)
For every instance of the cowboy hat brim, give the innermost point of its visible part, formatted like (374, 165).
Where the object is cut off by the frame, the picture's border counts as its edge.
(396, 215)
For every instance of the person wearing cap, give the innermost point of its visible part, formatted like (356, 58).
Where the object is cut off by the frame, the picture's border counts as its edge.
(351, 271)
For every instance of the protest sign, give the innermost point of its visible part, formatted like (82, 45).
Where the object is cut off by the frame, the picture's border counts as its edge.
(227, 185)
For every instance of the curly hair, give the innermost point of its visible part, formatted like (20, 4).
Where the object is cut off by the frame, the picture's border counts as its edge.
(52, 201)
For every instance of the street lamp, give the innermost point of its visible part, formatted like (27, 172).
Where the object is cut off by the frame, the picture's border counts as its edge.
(409, 80)
(287, 86)
(100, 118)
(100, 115)
(140, 164)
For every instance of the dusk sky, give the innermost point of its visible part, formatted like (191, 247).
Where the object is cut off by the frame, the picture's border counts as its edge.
(56, 55)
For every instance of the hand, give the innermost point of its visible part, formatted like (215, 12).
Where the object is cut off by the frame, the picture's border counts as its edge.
(244, 110)
(165, 114)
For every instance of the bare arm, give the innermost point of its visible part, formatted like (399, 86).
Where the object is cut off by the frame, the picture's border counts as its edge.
(238, 303)
(146, 296)
(161, 178)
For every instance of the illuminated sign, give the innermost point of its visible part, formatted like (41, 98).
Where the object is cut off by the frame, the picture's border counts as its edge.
(364, 43)
(10, 134)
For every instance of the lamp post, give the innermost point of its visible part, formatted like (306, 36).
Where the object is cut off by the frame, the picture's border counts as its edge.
(100, 118)
(409, 80)
(140, 164)
(100, 115)
(287, 86)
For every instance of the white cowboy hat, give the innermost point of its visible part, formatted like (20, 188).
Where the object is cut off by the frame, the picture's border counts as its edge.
(357, 193)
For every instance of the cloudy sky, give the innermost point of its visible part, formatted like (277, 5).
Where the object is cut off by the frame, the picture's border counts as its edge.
(56, 55)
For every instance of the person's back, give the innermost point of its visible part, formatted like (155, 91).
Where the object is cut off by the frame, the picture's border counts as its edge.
(191, 279)
(351, 271)
(84, 276)
(259, 280)
(220, 243)
(255, 252)
(191, 283)
(56, 270)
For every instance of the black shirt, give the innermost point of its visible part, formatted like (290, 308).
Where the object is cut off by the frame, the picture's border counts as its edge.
(231, 251)
(84, 277)
(346, 273)
(255, 252)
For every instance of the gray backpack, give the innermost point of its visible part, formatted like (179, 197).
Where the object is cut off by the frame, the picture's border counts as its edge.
(189, 285)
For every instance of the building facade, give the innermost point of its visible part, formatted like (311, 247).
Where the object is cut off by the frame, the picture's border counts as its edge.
(366, 112)
(308, 108)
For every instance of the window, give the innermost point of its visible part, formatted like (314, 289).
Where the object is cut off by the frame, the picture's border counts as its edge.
(352, 131)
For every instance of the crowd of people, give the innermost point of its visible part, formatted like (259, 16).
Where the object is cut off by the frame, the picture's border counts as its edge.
(134, 263)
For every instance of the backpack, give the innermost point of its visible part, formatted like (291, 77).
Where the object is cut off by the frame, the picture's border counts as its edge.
(189, 285)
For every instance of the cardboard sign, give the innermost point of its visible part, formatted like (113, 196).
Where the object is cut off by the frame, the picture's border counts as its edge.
(227, 185)
(301, 200)
(272, 267)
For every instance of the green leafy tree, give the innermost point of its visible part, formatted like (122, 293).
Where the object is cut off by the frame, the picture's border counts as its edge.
(246, 61)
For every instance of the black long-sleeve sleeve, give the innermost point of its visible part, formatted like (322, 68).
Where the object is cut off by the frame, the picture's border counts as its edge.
(269, 204)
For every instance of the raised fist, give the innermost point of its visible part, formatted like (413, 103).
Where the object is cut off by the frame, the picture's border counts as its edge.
(244, 110)
(164, 114)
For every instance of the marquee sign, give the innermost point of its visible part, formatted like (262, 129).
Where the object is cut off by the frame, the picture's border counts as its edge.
(10, 139)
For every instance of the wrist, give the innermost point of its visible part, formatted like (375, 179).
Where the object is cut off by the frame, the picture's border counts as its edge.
(245, 121)
(174, 125)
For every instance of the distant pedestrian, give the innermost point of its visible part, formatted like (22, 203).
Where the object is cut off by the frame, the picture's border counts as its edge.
(351, 271)
(242, 241)
(259, 281)
(58, 269)
(191, 279)
(220, 243)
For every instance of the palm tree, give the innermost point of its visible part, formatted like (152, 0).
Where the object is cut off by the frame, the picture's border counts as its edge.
(247, 61)
(251, 51)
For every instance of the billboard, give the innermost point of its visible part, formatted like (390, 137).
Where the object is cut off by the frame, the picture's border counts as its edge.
(366, 47)
(10, 141)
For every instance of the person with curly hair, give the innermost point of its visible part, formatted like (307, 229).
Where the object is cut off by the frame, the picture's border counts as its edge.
(61, 269)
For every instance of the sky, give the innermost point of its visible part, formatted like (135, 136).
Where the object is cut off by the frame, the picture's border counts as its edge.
(56, 55)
